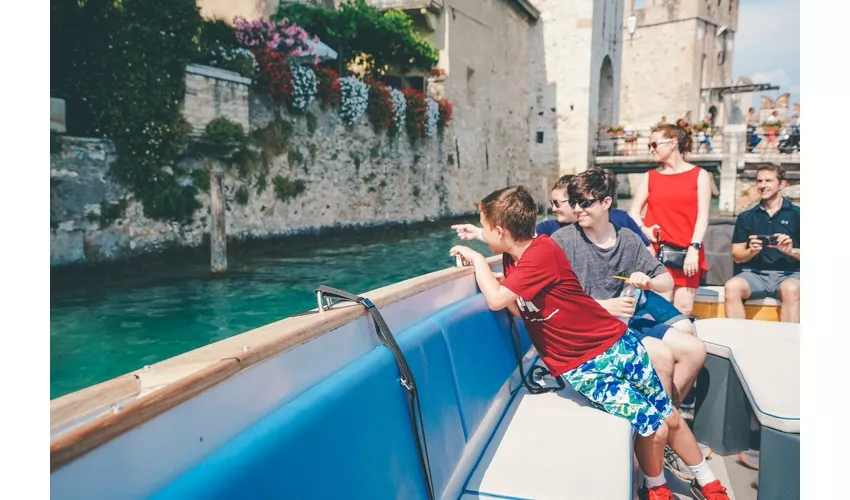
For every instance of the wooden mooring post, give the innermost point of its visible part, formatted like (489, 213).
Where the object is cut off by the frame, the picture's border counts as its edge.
(218, 225)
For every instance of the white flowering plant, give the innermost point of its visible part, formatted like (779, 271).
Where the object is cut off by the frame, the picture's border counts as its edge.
(399, 109)
(303, 87)
(354, 96)
(238, 59)
(432, 117)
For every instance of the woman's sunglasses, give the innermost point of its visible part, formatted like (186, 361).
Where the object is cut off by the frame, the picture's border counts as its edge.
(654, 144)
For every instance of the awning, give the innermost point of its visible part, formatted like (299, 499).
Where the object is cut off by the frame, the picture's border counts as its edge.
(324, 52)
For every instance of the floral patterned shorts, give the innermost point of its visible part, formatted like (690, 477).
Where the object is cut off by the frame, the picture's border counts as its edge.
(622, 382)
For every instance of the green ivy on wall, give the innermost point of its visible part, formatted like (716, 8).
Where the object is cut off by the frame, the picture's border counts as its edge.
(123, 75)
(357, 29)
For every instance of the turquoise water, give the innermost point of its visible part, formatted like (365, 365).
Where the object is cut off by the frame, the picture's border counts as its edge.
(107, 321)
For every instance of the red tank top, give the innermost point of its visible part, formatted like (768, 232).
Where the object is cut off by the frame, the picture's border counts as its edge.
(672, 204)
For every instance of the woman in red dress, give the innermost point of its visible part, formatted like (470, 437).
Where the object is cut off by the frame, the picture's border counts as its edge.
(677, 198)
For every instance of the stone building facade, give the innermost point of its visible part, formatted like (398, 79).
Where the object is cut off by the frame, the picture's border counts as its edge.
(485, 72)
(228, 9)
(679, 50)
(576, 57)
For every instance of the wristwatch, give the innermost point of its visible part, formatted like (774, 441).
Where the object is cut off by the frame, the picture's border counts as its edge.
(696, 245)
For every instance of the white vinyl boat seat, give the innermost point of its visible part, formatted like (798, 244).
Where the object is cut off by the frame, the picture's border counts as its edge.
(554, 446)
(766, 358)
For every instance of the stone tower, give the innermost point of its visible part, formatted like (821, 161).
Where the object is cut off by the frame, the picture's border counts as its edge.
(575, 57)
(680, 49)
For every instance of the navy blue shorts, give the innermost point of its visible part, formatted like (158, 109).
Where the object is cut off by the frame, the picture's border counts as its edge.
(653, 315)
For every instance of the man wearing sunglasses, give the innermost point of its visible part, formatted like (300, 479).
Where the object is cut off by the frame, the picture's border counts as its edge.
(563, 217)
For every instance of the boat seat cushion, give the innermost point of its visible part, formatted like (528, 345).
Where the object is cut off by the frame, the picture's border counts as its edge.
(555, 446)
(349, 433)
(482, 355)
(766, 358)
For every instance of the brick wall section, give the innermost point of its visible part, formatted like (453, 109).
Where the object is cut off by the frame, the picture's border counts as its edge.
(213, 93)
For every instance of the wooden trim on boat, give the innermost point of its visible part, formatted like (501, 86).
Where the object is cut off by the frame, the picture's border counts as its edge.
(94, 433)
(91, 399)
(757, 312)
(709, 303)
(164, 385)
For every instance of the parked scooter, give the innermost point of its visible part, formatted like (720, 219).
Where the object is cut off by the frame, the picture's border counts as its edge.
(789, 142)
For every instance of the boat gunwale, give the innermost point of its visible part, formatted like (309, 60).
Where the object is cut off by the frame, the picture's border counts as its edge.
(129, 400)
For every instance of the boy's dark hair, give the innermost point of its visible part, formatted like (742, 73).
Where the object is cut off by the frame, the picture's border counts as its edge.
(514, 209)
(772, 167)
(563, 182)
(598, 183)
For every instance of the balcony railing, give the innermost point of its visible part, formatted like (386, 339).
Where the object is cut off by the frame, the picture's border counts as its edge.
(608, 144)
(782, 143)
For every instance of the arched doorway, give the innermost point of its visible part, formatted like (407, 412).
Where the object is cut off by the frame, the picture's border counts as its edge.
(605, 108)
(605, 115)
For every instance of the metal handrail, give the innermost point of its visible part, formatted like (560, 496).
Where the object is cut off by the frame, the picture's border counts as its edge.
(608, 144)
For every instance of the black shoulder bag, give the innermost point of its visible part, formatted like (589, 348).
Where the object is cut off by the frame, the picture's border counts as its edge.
(528, 379)
(671, 255)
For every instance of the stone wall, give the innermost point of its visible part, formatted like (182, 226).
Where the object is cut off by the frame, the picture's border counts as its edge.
(78, 186)
(353, 176)
(356, 177)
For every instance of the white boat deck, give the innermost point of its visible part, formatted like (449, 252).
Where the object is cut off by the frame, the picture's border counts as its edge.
(542, 449)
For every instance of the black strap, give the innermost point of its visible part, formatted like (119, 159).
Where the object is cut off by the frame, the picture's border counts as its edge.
(528, 379)
(406, 377)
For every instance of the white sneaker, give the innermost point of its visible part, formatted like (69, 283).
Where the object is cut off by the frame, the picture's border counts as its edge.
(678, 466)
(749, 458)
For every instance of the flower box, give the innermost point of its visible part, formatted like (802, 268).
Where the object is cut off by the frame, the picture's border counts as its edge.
(615, 130)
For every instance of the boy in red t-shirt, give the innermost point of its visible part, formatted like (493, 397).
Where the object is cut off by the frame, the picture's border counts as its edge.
(576, 337)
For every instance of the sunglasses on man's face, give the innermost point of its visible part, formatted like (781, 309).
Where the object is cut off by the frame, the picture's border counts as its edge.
(654, 144)
(558, 203)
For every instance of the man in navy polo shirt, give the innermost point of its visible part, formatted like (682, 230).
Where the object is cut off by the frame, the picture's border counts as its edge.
(771, 270)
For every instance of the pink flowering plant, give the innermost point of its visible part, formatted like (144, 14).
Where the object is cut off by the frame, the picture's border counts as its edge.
(264, 34)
